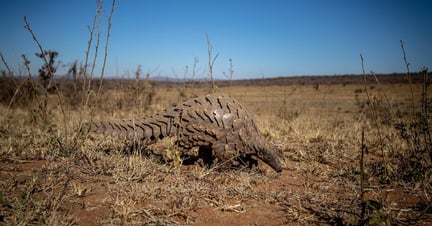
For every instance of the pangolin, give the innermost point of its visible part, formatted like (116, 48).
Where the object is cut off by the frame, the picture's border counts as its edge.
(215, 123)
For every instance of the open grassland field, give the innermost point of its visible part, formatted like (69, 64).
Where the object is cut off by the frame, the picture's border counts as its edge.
(351, 154)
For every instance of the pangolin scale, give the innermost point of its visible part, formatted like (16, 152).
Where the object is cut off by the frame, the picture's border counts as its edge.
(213, 123)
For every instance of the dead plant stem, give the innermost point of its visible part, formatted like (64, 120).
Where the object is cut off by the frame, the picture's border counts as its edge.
(425, 109)
(96, 50)
(27, 26)
(211, 61)
(90, 41)
(10, 74)
(375, 114)
(362, 175)
(409, 77)
(50, 71)
(106, 46)
(26, 64)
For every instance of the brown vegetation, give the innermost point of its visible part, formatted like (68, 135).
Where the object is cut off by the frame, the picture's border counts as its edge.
(52, 174)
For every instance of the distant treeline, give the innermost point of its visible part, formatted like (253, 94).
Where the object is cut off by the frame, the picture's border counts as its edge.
(394, 78)
(328, 80)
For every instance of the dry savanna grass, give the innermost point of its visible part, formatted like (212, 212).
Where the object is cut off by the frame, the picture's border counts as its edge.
(52, 174)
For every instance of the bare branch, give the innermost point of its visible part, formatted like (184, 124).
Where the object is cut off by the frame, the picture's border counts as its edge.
(42, 52)
(90, 41)
(106, 46)
(211, 62)
(409, 77)
(6, 65)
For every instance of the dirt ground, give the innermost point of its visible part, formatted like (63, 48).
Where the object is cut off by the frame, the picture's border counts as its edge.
(52, 174)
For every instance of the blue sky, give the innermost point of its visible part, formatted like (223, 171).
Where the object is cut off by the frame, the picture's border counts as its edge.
(266, 38)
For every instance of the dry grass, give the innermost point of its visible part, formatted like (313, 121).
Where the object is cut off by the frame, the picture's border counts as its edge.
(52, 174)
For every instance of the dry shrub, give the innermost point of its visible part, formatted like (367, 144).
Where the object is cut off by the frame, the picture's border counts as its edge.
(404, 139)
(17, 92)
(123, 184)
(415, 163)
(47, 70)
(72, 86)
